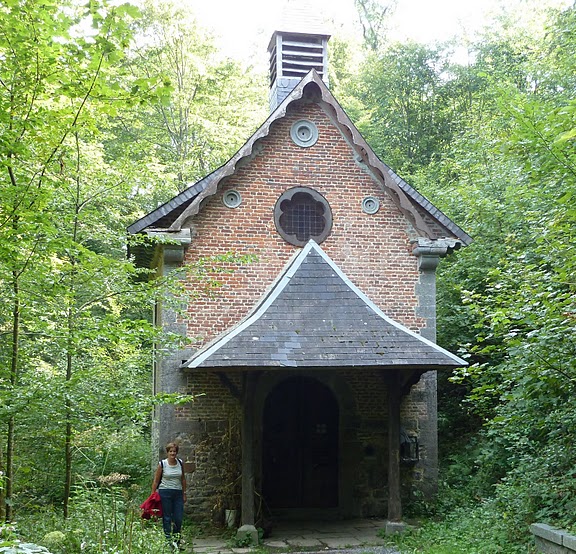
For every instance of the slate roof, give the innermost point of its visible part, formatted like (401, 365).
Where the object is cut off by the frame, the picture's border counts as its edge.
(304, 16)
(314, 316)
(423, 215)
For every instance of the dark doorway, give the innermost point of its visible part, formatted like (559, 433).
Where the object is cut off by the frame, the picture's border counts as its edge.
(300, 445)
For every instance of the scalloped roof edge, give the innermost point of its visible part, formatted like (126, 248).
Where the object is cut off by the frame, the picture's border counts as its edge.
(406, 197)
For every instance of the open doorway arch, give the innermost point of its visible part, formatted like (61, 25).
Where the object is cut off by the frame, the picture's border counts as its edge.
(300, 445)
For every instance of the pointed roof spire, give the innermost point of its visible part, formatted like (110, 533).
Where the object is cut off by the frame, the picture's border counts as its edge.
(301, 16)
(299, 44)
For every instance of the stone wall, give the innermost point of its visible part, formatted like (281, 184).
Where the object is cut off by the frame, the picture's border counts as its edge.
(209, 432)
(550, 540)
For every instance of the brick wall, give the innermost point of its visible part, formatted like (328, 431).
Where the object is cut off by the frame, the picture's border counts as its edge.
(373, 250)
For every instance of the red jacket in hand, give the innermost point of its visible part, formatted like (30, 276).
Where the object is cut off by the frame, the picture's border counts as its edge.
(152, 506)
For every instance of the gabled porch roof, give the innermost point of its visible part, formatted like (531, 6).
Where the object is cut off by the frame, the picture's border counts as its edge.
(314, 316)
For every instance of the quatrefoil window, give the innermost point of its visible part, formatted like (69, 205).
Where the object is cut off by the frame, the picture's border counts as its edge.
(302, 214)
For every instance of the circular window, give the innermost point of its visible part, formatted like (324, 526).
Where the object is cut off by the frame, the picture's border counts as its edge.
(304, 133)
(370, 205)
(231, 199)
(302, 214)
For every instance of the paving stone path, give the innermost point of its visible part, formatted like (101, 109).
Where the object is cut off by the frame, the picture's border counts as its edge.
(334, 537)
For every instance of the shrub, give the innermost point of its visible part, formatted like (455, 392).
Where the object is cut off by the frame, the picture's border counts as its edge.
(478, 529)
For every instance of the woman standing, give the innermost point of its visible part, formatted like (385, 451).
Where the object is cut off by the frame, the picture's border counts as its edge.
(170, 481)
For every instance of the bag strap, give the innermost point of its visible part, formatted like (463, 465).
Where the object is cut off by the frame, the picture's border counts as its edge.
(161, 462)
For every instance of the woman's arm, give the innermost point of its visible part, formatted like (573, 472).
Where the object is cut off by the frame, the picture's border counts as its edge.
(157, 477)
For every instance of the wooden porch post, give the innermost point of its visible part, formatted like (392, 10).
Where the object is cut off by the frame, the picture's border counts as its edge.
(247, 527)
(394, 501)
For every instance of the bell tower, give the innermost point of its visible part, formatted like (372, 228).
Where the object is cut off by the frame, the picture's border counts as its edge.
(299, 44)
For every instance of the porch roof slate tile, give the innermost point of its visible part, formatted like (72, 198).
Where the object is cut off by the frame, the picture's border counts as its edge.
(314, 316)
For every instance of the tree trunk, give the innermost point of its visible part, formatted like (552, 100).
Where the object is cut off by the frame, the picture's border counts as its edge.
(13, 382)
(69, 349)
(9, 469)
(2, 496)
(68, 436)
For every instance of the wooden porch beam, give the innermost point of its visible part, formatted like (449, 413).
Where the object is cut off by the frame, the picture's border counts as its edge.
(394, 500)
(247, 527)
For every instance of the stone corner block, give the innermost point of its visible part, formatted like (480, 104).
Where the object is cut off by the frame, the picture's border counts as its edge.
(395, 527)
(248, 531)
(570, 542)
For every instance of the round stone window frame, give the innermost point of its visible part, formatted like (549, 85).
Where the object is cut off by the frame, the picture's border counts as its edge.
(231, 198)
(316, 196)
(370, 205)
(304, 133)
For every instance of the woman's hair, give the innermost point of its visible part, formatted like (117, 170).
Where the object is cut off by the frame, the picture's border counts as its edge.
(172, 445)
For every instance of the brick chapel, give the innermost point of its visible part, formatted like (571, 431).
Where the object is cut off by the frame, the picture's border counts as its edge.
(312, 365)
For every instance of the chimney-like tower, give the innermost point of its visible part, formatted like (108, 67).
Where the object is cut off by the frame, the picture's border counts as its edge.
(299, 44)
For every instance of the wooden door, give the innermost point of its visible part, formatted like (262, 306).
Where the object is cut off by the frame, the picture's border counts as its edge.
(300, 445)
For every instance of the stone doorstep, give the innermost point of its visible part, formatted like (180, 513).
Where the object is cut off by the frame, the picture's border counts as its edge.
(342, 542)
(306, 543)
(309, 536)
